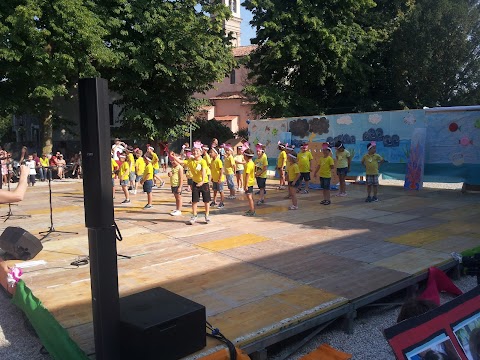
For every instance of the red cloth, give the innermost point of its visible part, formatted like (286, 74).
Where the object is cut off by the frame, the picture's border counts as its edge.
(438, 281)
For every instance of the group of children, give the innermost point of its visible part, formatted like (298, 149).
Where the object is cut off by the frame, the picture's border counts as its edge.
(203, 164)
(298, 167)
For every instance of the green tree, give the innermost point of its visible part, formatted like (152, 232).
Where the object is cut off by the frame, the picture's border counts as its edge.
(434, 57)
(169, 50)
(45, 47)
(209, 129)
(304, 47)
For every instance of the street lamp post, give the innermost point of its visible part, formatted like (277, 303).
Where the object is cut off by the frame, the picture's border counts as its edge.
(190, 120)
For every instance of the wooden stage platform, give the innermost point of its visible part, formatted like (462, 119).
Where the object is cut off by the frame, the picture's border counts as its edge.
(261, 279)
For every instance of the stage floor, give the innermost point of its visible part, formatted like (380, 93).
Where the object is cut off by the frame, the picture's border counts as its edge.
(257, 277)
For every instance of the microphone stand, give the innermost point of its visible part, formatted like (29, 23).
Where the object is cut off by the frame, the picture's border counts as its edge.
(52, 228)
(10, 214)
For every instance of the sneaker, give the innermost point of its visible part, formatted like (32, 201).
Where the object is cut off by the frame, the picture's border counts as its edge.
(221, 205)
(148, 206)
(293, 207)
(176, 213)
(281, 188)
(207, 219)
(368, 199)
(323, 202)
(126, 201)
(193, 220)
(250, 213)
(260, 202)
(213, 203)
(374, 199)
(258, 192)
(162, 184)
(342, 194)
(305, 191)
(231, 197)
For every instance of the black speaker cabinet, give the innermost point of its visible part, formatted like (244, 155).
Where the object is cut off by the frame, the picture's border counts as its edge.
(19, 244)
(158, 324)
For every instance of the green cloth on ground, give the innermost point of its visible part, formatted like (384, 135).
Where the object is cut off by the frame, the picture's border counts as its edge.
(52, 335)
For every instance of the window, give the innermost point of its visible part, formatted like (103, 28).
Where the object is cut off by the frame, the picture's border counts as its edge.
(232, 77)
(233, 5)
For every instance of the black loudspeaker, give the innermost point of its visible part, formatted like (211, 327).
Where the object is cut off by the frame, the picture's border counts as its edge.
(158, 324)
(96, 152)
(19, 244)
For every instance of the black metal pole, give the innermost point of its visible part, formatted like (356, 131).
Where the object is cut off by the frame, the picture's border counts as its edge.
(99, 218)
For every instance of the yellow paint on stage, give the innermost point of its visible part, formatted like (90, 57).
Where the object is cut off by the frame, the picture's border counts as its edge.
(418, 238)
(273, 313)
(233, 242)
(270, 210)
(56, 210)
(413, 261)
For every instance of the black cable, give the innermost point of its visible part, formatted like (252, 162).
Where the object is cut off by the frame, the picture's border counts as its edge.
(118, 234)
(216, 334)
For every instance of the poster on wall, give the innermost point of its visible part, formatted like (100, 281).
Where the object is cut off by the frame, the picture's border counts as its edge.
(451, 331)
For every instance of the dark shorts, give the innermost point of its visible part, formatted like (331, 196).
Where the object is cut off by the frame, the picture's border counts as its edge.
(147, 186)
(204, 190)
(261, 182)
(325, 183)
(217, 186)
(124, 182)
(138, 178)
(342, 171)
(156, 171)
(175, 190)
(131, 176)
(113, 182)
(304, 176)
(249, 190)
(239, 172)
(294, 184)
(190, 181)
(372, 180)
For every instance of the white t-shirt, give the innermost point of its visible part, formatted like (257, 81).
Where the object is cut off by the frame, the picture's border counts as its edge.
(31, 167)
(116, 149)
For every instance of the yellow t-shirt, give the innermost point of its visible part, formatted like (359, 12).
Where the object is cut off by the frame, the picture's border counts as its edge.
(229, 164)
(325, 166)
(186, 162)
(196, 168)
(175, 178)
(304, 161)
(260, 163)
(240, 159)
(293, 170)
(342, 158)
(45, 162)
(148, 172)
(114, 167)
(282, 159)
(155, 161)
(216, 168)
(371, 163)
(250, 170)
(131, 161)
(208, 160)
(124, 172)
(140, 166)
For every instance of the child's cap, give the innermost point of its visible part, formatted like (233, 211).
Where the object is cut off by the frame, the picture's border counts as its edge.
(371, 145)
(150, 148)
(339, 145)
(120, 156)
(146, 157)
(291, 147)
(304, 146)
(260, 147)
(292, 156)
(248, 153)
(214, 150)
(280, 145)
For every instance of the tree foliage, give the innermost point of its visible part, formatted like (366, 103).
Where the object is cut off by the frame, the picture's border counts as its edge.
(168, 51)
(344, 56)
(45, 46)
(209, 129)
(304, 47)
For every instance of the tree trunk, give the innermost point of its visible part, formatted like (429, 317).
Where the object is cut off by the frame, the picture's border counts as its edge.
(47, 132)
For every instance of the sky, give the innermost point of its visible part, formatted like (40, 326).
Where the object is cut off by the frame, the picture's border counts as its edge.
(247, 31)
